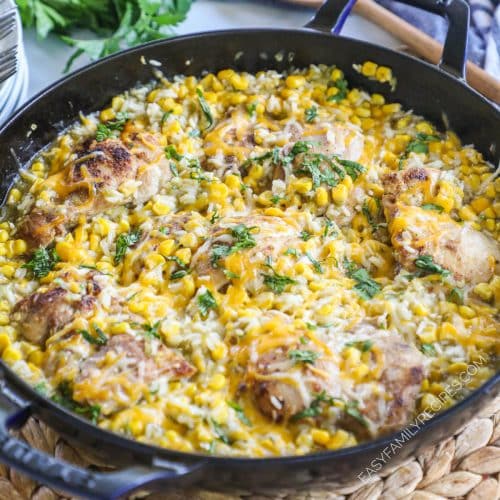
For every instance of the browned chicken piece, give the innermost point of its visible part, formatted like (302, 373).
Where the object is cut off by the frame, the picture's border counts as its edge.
(467, 253)
(401, 379)
(119, 373)
(283, 385)
(82, 186)
(43, 313)
(232, 143)
(272, 236)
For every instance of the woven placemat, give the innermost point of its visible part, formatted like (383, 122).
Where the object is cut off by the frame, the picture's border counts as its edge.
(466, 465)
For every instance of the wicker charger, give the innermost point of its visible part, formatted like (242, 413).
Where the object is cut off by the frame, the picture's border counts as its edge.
(466, 465)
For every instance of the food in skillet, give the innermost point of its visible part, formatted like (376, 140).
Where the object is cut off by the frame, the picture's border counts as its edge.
(252, 265)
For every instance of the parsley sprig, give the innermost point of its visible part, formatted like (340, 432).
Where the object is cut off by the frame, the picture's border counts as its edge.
(42, 262)
(206, 301)
(365, 286)
(124, 242)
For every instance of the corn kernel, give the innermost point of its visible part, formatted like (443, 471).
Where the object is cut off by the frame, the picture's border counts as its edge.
(8, 270)
(14, 196)
(118, 328)
(430, 402)
(217, 382)
(383, 74)
(107, 114)
(322, 196)
(480, 204)
(320, 436)
(117, 103)
(20, 247)
(339, 194)
(378, 99)
(184, 254)
(466, 312)
(188, 240)
(424, 128)
(295, 81)
(302, 185)
(4, 341)
(218, 192)
(458, 367)
(390, 109)
(219, 352)
(233, 181)
(166, 247)
(369, 68)
(484, 291)
(4, 235)
(160, 208)
(338, 440)
(11, 355)
(466, 213)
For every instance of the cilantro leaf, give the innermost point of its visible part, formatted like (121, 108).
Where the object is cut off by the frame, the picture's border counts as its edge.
(100, 339)
(315, 409)
(206, 301)
(240, 412)
(303, 356)
(171, 153)
(428, 349)
(432, 206)
(243, 239)
(310, 114)
(456, 295)
(427, 264)
(351, 409)
(362, 345)
(151, 331)
(316, 264)
(365, 286)
(205, 109)
(125, 241)
(342, 86)
(42, 262)
(106, 130)
(276, 282)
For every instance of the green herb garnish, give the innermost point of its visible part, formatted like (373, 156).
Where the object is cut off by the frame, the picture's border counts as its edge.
(42, 262)
(243, 239)
(64, 397)
(456, 295)
(306, 357)
(362, 345)
(100, 339)
(310, 114)
(314, 409)
(240, 412)
(428, 349)
(206, 301)
(251, 108)
(151, 331)
(365, 286)
(426, 263)
(341, 84)
(432, 206)
(305, 235)
(124, 242)
(205, 108)
(219, 432)
(106, 130)
(316, 264)
(171, 153)
(352, 168)
(276, 282)
(351, 409)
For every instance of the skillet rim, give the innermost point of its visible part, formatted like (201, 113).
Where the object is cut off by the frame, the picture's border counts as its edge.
(40, 405)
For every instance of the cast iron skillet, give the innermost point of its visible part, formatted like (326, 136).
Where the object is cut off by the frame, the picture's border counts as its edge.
(439, 93)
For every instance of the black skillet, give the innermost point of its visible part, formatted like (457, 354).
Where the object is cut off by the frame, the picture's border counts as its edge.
(439, 93)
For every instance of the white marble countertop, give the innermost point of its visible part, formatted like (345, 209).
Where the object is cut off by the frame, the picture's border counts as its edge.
(47, 58)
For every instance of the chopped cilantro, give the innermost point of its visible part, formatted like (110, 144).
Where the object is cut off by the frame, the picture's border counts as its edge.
(42, 262)
(365, 286)
(362, 345)
(305, 235)
(426, 263)
(41, 388)
(303, 356)
(180, 273)
(240, 412)
(456, 295)
(151, 331)
(165, 116)
(352, 168)
(292, 251)
(311, 326)
(206, 301)
(205, 109)
(418, 145)
(310, 114)
(341, 85)
(105, 130)
(428, 349)
(304, 340)
(219, 432)
(351, 409)
(242, 239)
(100, 339)
(330, 229)
(230, 274)
(172, 154)
(316, 264)
(64, 397)
(194, 133)
(314, 409)
(125, 241)
(275, 199)
(432, 206)
(215, 216)
(251, 108)
(276, 282)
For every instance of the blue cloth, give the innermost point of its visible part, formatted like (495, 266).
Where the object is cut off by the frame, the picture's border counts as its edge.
(484, 34)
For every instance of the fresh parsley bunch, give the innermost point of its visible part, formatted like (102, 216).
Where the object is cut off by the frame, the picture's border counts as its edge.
(117, 23)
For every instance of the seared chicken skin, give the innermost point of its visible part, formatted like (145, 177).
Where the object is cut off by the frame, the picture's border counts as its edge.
(267, 238)
(119, 373)
(97, 168)
(283, 386)
(468, 254)
(238, 142)
(43, 313)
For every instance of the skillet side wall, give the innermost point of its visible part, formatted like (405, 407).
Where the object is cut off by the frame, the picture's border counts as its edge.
(420, 87)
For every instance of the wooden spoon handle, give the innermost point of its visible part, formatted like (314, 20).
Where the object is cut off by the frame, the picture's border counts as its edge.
(419, 43)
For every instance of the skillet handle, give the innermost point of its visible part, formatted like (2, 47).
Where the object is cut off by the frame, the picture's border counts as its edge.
(332, 15)
(73, 479)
